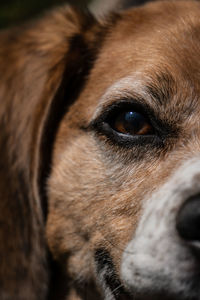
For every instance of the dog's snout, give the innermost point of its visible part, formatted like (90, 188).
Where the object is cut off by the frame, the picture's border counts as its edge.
(188, 220)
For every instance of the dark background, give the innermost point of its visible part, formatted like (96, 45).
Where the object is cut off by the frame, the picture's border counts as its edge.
(13, 12)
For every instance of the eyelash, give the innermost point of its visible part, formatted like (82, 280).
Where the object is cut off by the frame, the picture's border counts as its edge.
(102, 127)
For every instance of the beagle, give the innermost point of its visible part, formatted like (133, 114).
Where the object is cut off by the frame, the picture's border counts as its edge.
(100, 155)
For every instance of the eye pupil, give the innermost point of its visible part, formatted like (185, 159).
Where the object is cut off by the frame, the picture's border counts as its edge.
(132, 123)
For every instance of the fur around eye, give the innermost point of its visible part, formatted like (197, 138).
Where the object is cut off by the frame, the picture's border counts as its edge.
(129, 124)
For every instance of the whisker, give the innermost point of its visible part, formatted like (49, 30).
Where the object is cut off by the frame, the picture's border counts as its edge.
(117, 288)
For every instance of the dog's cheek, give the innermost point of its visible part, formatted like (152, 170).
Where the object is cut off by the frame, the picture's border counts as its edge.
(72, 192)
(87, 207)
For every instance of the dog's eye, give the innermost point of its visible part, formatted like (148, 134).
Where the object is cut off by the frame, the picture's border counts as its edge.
(131, 123)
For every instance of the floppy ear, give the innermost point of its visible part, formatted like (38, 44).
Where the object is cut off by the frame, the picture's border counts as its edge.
(43, 68)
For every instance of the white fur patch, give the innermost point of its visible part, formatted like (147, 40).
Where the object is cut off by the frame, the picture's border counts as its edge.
(157, 259)
(127, 87)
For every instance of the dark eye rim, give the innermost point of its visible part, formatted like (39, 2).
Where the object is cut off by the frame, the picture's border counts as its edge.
(102, 127)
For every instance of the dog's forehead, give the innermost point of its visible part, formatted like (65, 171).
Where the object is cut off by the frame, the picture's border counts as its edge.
(159, 35)
(158, 43)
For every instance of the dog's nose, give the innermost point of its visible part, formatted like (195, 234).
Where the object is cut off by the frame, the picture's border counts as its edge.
(188, 221)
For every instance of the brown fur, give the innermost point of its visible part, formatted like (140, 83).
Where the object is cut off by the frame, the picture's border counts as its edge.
(55, 72)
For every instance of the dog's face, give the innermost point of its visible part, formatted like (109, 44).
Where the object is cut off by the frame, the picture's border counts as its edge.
(126, 159)
(123, 185)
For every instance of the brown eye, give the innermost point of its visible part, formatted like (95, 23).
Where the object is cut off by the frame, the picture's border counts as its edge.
(132, 123)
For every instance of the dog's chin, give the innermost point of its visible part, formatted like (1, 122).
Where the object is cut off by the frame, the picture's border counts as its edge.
(144, 284)
(155, 294)
(159, 288)
(163, 291)
(152, 295)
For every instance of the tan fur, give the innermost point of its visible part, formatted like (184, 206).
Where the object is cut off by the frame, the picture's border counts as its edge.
(94, 189)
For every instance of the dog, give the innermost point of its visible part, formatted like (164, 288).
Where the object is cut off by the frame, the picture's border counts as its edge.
(99, 155)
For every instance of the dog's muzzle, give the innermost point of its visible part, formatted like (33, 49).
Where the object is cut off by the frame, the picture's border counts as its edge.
(163, 257)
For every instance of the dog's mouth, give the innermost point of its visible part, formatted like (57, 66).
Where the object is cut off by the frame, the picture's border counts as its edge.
(111, 284)
(124, 294)
(114, 289)
(158, 293)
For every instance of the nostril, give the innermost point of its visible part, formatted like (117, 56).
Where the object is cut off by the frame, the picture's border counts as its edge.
(188, 219)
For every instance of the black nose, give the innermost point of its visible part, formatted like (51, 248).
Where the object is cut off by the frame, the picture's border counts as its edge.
(188, 219)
